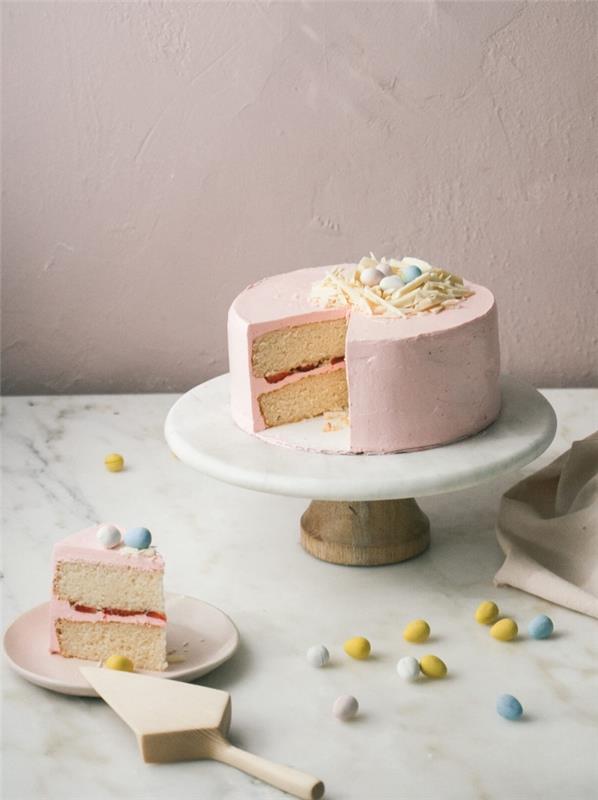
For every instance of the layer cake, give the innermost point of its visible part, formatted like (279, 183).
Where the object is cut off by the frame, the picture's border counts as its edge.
(415, 366)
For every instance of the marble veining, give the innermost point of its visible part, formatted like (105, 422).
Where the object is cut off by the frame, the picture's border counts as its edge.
(239, 550)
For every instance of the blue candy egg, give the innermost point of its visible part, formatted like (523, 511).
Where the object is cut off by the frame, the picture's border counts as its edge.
(410, 273)
(509, 707)
(139, 538)
(540, 627)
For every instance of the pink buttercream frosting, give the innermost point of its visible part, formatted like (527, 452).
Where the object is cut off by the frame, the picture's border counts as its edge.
(84, 546)
(413, 382)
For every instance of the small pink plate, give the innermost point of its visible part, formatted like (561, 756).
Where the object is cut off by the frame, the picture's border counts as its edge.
(200, 637)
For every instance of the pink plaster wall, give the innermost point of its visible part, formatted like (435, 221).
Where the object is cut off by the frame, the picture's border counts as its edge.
(159, 157)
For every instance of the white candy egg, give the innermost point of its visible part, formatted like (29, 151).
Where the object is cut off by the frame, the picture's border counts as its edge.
(391, 283)
(318, 655)
(109, 536)
(385, 268)
(408, 668)
(371, 276)
(345, 707)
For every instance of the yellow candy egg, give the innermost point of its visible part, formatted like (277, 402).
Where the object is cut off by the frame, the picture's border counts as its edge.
(433, 667)
(417, 631)
(504, 630)
(486, 613)
(121, 663)
(114, 462)
(357, 647)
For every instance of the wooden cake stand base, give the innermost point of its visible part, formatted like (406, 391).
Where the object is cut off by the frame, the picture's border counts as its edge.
(362, 511)
(365, 533)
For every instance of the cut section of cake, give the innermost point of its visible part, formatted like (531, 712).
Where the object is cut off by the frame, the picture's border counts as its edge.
(300, 348)
(284, 356)
(108, 598)
(306, 398)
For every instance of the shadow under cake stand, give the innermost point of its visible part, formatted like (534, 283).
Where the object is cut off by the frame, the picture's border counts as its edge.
(363, 510)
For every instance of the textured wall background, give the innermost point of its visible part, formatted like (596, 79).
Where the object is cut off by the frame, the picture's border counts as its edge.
(159, 157)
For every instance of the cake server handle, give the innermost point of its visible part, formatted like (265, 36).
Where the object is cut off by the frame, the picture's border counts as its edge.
(288, 779)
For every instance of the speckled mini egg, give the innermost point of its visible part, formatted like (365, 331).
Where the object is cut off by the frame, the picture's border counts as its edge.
(358, 647)
(509, 707)
(433, 667)
(121, 663)
(504, 630)
(371, 276)
(139, 538)
(410, 273)
(391, 283)
(318, 655)
(408, 668)
(114, 462)
(540, 627)
(417, 631)
(109, 536)
(486, 613)
(345, 707)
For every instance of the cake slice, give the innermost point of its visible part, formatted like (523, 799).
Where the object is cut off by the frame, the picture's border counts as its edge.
(108, 598)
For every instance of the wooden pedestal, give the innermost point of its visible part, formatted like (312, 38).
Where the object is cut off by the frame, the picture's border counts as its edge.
(365, 533)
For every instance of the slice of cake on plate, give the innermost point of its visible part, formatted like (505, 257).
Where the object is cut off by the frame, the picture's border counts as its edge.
(108, 598)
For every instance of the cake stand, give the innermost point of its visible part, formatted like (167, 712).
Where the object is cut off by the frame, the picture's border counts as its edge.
(363, 510)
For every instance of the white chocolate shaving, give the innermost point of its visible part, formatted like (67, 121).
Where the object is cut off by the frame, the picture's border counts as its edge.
(335, 421)
(146, 552)
(176, 658)
(433, 291)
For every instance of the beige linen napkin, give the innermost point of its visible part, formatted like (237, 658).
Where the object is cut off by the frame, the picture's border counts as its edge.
(548, 529)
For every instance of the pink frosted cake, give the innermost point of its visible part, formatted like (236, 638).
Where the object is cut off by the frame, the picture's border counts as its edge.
(107, 597)
(410, 351)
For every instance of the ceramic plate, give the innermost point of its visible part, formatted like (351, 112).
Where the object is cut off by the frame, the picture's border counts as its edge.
(199, 637)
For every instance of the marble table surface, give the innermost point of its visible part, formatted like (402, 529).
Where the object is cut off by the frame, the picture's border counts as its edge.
(239, 550)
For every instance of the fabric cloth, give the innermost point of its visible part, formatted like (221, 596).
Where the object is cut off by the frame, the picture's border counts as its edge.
(548, 529)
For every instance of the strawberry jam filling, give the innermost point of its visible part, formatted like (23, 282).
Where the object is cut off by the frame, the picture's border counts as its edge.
(118, 612)
(276, 377)
(84, 609)
(156, 615)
